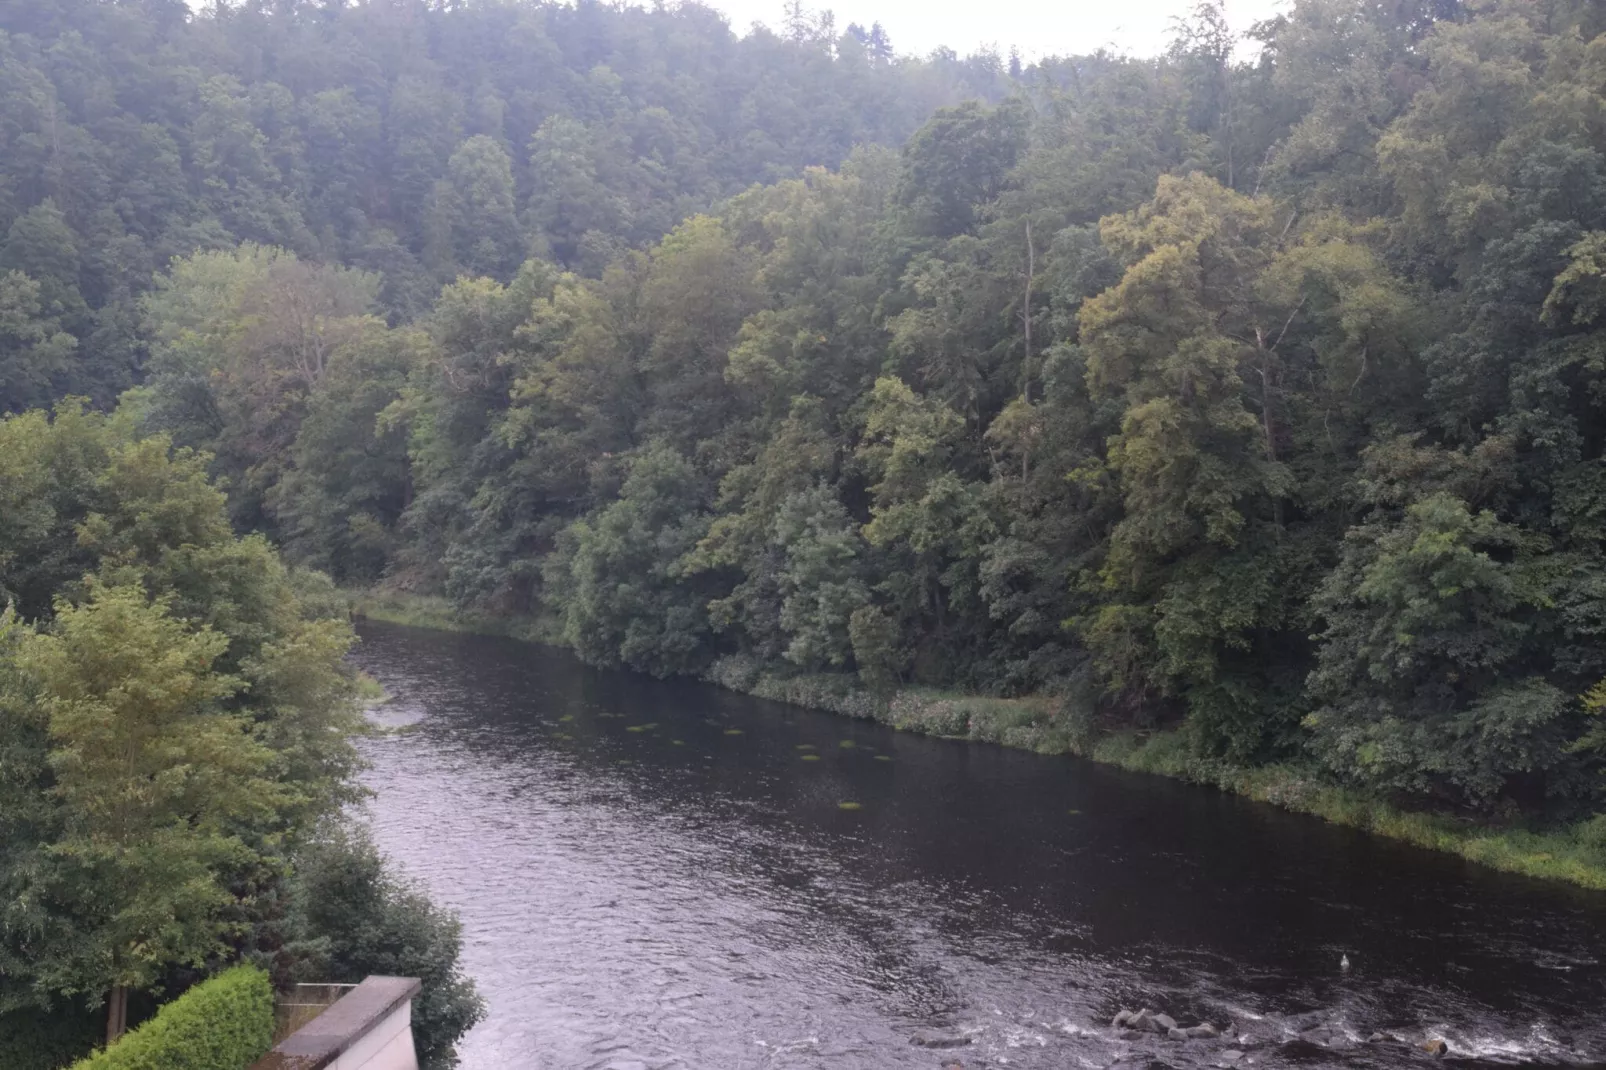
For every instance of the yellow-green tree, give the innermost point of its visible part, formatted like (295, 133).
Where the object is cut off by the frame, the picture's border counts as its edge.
(151, 780)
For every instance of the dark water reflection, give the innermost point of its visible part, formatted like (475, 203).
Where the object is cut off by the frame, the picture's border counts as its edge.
(657, 875)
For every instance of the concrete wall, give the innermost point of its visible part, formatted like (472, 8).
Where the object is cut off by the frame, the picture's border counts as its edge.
(388, 1045)
(369, 1028)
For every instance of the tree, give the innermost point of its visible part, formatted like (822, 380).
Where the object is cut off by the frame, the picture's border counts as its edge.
(958, 161)
(339, 504)
(479, 197)
(926, 513)
(364, 921)
(241, 340)
(697, 289)
(34, 350)
(1216, 313)
(820, 579)
(570, 198)
(1427, 678)
(43, 247)
(615, 576)
(149, 776)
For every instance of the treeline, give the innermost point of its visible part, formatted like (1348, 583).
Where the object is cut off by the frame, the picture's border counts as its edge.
(1255, 396)
(413, 139)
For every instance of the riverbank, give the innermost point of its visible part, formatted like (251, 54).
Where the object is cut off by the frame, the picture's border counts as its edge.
(1575, 855)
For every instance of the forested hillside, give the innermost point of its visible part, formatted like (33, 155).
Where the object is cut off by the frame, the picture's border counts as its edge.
(1255, 389)
(415, 140)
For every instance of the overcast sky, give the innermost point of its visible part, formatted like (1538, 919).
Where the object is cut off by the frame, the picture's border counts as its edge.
(1036, 27)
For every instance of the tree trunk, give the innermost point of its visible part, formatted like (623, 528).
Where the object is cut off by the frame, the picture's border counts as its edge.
(1026, 315)
(116, 1013)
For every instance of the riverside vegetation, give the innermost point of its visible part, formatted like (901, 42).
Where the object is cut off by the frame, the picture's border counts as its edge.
(176, 755)
(1235, 413)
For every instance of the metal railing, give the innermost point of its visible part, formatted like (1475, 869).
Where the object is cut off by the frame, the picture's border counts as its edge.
(302, 1004)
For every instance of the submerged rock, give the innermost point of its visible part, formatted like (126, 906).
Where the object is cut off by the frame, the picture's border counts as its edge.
(1176, 1034)
(940, 1041)
(1230, 1056)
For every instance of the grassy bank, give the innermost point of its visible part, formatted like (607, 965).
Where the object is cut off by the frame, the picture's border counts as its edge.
(1576, 855)
(429, 611)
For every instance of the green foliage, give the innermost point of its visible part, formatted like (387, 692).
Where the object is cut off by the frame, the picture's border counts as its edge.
(1255, 396)
(1422, 674)
(340, 502)
(625, 599)
(243, 343)
(1032, 406)
(361, 921)
(171, 713)
(149, 776)
(225, 1023)
(34, 350)
(35, 1039)
(492, 130)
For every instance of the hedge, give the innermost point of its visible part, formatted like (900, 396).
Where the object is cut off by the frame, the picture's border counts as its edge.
(222, 1024)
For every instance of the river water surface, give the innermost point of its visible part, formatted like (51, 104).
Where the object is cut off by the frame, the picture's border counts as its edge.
(666, 875)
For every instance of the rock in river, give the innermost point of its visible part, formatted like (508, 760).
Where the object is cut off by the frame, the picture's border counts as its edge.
(939, 1041)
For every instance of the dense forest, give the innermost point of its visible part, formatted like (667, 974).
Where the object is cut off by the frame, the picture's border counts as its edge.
(409, 141)
(1253, 390)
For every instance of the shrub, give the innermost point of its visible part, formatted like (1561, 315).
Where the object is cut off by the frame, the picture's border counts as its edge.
(366, 921)
(736, 672)
(47, 1040)
(222, 1024)
(1591, 834)
(937, 715)
(836, 692)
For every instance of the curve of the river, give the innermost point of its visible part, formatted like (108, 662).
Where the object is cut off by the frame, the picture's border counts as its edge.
(665, 875)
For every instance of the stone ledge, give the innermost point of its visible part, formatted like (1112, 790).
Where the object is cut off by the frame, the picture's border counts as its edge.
(321, 1042)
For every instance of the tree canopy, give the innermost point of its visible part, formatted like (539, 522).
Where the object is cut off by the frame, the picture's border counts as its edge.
(1254, 388)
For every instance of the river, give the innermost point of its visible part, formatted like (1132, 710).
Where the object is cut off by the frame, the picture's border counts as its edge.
(666, 875)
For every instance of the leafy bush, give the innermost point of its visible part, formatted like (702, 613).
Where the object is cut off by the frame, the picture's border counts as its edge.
(1592, 834)
(836, 692)
(737, 672)
(921, 712)
(365, 921)
(222, 1024)
(39, 1040)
